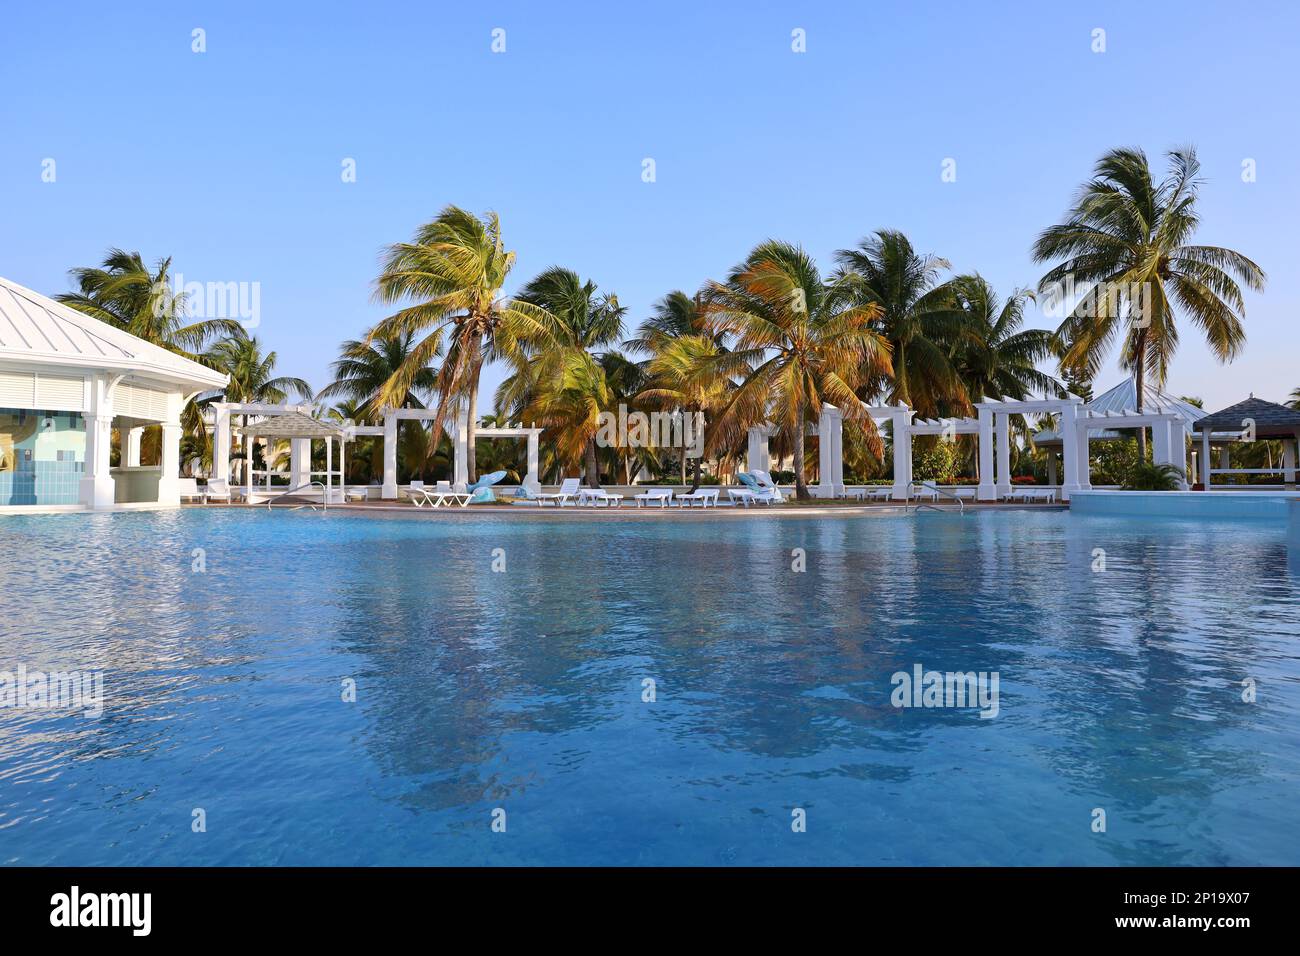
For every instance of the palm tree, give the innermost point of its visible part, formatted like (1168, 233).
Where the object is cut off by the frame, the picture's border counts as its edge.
(799, 342)
(563, 383)
(917, 317)
(1295, 398)
(1124, 248)
(995, 357)
(452, 273)
(126, 294)
(684, 374)
(364, 368)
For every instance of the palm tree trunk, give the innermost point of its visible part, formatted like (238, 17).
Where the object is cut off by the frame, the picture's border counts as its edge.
(472, 428)
(593, 469)
(800, 487)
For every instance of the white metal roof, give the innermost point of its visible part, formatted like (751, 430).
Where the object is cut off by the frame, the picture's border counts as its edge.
(36, 329)
(1123, 398)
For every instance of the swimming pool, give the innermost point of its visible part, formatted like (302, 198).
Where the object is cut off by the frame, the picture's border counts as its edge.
(227, 640)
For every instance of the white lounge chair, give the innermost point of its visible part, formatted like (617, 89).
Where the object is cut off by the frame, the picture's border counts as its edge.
(664, 496)
(217, 489)
(599, 496)
(756, 492)
(705, 497)
(568, 489)
(766, 483)
(187, 489)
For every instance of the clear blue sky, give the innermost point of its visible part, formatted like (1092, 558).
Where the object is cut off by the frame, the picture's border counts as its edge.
(230, 160)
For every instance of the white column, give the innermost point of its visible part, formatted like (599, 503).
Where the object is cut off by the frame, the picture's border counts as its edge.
(1224, 460)
(1178, 450)
(390, 455)
(1083, 463)
(248, 467)
(343, 468)
(1205, 459)
(1289, 449)
(531, 480)
(131, 446)
(1002, 431)
(757, 456)
(169, 488)
(986, 490)
(1160, 443)
(1051, 468)
(825, 449)
(221, 443)
(97, 488)
(837, 455)
(299, 462)
(1069, 450)
(460, 454)
(329, 470)
(901, 422)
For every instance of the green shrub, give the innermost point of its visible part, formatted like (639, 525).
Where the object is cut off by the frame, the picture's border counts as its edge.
(1149, 477)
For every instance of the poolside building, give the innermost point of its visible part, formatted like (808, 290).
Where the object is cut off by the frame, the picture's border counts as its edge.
(67, 381)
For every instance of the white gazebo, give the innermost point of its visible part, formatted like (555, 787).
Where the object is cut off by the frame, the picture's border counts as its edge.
(67, 380)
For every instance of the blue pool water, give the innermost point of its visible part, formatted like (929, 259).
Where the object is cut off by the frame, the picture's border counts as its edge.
(522, 690)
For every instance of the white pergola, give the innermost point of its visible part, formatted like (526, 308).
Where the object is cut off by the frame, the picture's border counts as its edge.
(460, 451)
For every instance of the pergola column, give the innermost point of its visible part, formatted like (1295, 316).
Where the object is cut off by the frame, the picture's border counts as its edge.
(1069, 450)
(1160, 443)
(460, 454)
(830, 451)
(221, 443)
(1205, 458)
(1002, 430)
(1178, 450)
(1083, 463)
(901, 423)
(531, 481)
(169, 480)
(390, 455)
(1289, 449)
(757, 456)
(986, 490)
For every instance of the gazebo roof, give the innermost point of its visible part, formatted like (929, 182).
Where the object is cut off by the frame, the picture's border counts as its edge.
(1123, 398)
(1270, 418)
(290, 425)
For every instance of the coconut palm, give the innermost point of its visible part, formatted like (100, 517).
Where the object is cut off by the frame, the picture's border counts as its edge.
(562, 383)
(799, 342)
(684, 374)
(1295, 398)
(452, 273)
(917, 317)
(995, 357)
(365, 367)
(128, 295)
(1124, 249)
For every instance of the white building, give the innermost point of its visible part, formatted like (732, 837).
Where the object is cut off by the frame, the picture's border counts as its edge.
(66, 381)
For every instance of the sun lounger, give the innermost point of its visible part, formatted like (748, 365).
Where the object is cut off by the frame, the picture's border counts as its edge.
(568, 489)
(599, 496)
(757, 492)
(662, 496)
(704, 496)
